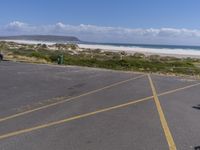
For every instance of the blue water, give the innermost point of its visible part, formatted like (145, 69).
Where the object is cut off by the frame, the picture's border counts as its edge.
(197, 48)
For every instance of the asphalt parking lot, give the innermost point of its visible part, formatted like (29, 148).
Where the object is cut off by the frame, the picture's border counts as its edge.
(46, 107)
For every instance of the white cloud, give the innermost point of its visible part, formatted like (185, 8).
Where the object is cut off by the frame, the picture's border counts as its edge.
(107, 34)
(60, 25)
(16, 24)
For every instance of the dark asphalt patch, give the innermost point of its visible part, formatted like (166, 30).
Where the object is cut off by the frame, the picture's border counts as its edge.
(196, 107)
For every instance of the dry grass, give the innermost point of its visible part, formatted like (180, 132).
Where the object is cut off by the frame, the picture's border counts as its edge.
(25, 59)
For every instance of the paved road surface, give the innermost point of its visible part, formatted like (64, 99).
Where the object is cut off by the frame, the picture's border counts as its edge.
(46, 107)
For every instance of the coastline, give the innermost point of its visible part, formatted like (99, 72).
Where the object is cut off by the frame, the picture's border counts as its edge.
(179, 53)
(101, 56)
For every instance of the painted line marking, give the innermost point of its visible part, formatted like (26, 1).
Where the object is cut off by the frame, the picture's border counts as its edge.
(15, 133)
(168, 135)
(63, 100)
(69, 99)
(11, 134)
(178, 89)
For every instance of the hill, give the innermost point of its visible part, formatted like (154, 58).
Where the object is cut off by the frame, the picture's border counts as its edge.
(45, 38)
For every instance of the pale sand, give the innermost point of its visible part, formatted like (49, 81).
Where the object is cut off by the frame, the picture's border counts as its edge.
(179, 53)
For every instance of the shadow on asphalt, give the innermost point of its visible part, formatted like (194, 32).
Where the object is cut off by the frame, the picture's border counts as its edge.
(197, 107)
(197, 148)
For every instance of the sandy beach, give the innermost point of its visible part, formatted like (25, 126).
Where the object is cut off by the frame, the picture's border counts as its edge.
(179, 53)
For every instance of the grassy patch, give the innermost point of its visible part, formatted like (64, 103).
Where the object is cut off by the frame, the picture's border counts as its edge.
(110, 60)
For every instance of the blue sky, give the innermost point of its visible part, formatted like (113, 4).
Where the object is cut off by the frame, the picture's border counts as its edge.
(133, 21)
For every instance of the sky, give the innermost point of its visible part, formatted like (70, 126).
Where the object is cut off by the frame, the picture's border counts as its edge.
(125, 21)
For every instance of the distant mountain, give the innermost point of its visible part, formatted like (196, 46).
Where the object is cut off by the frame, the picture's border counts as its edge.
(45, 38)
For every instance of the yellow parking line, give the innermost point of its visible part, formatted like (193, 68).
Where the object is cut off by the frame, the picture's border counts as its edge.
(168, 135)
(15, 133)
(63, 100)
(179, 89)
(69, 99)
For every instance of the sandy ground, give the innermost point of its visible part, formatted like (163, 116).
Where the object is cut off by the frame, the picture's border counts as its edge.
(179, 53)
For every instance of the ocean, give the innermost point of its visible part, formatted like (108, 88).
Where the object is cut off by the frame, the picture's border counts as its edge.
(167, 50)
(154, 46)
(171, 50)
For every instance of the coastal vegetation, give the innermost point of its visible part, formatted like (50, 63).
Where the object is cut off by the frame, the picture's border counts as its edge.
(73, 55)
